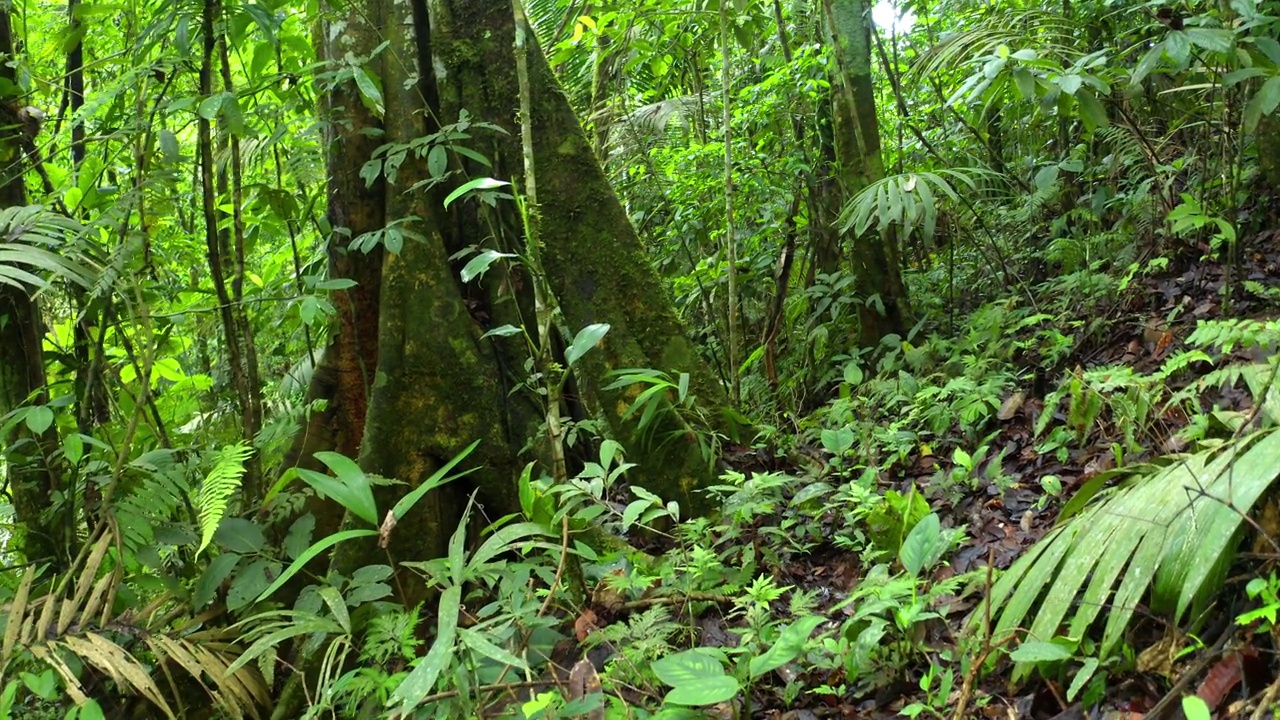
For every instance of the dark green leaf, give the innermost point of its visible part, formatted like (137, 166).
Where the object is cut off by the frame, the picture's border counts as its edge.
(437, 161)
(240, 535)
(212, 578)
(790, 643)
(1037, 651)
(299, 537)
(249, 582)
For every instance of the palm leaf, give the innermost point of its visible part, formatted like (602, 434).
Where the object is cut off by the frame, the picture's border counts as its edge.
(74, 617)
(35, 240)
(910, 200)
(1047, 32)
(1168, 533)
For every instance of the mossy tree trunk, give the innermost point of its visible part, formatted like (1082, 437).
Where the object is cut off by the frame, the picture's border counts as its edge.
(875, 258)
(343, 374)
(438, 383)
(593, 260)
(34, 482)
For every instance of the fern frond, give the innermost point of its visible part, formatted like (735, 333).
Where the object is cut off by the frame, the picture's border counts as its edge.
(218, 487)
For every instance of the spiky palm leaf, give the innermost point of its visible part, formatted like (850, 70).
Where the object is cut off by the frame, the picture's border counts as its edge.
(32, 240)
(910, 200)
(1171, 530)
(76, 617)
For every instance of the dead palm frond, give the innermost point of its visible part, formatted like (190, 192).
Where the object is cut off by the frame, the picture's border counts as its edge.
(76, 617)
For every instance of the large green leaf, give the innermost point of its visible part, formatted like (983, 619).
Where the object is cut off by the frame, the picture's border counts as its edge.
(1165, 534)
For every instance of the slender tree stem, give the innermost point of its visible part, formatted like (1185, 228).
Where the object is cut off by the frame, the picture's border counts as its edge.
(730, 239)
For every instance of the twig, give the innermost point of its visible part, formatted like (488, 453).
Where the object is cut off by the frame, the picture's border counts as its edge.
(1162, 709)
(677, 600)
(1268, 699)
(489, 688)
(971, 677)
(966, 690)
(546, 603)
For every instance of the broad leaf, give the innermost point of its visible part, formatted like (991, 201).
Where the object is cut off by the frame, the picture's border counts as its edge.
(586, 339)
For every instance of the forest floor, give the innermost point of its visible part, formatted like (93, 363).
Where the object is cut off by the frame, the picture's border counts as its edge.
(1003, 522)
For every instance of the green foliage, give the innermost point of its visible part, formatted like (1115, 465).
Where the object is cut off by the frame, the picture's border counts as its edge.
(661, 400)
(1192, 510)
(37, 240)
(910, 201)
(219, 485)
(1046, 173)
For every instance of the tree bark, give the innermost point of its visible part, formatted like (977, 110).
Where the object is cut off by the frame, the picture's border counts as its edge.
(439, 384)
(343, 376)
(857, 134)
(594, 261)
(34, 483)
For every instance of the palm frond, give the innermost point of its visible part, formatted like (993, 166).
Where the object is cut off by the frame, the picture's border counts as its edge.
(1049, 33)
(32, 244)
(910, 200)
(75, 617)
(1169, 530)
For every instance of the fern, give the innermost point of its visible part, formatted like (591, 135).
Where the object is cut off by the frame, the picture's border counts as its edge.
(223, 480)
(154, 500)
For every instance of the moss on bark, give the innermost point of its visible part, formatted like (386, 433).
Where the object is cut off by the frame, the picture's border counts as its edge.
(592, 257)
(33, 481)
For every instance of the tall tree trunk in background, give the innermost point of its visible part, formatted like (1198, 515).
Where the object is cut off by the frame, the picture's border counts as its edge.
(824, 202)
(343, 375)
(34, 484)
(92, 406)
(1267, 135)
(602, 110)
(857, 133)
(593, 259)
(439, 384)
(224, 250)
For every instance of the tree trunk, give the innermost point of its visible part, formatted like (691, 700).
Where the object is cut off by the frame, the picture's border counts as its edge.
(1268, 138)
(34, 483)
(343, 375)
(439, 384)
(593, 259)
(857, 134)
